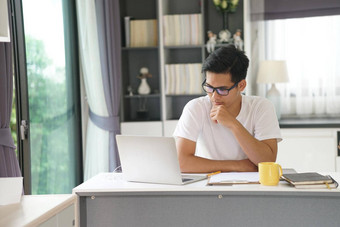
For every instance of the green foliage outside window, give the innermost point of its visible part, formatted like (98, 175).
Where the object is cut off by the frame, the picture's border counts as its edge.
(13, 122)
(51, 164)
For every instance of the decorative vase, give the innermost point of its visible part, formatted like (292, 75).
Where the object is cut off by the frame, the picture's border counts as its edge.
(224, 35)
(225, 20)
(144, 87)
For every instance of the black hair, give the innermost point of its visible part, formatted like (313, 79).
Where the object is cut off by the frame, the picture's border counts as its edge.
(227, 59)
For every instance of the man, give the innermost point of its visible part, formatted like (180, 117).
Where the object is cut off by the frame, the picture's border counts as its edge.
(225, 130)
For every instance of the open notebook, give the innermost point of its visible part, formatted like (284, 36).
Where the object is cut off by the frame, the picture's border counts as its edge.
(152, 160)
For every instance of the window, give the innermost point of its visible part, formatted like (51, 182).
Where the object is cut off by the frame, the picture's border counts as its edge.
(53, 107)
(312, 50)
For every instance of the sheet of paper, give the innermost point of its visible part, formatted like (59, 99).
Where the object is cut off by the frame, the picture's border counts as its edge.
(235, 177)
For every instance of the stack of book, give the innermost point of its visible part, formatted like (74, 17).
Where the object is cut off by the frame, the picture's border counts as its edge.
(183, 29)
(141, 33)
(183, 79)
(310, 180)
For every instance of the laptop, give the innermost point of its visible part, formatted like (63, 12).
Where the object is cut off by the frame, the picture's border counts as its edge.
(150, 159)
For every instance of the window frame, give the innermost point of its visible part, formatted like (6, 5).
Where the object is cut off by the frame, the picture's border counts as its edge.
(21, 85)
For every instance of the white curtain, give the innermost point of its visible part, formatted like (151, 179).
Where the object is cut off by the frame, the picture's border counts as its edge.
(97, 140)
(311, 48)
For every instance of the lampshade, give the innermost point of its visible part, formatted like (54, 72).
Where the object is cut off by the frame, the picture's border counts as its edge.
(272, 72)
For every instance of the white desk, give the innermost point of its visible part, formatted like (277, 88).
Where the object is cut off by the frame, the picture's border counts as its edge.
(40, 210)
(108, 200)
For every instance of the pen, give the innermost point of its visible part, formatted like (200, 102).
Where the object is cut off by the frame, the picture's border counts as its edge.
(214, 173)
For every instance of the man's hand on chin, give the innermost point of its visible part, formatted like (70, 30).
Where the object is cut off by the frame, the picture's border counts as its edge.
(221, 115)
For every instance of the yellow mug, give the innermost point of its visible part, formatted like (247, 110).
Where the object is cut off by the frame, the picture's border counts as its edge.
(270, 173)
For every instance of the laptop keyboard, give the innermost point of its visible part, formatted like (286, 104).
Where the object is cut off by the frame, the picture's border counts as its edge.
(186, 179)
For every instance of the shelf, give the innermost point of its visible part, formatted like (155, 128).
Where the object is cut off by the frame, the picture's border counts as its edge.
(184, 95)
(221, 44)
(184, 47)
(151, 120)
(139, 48)
(142, 96)
(182, 7)
(310, 122)
(158, 95)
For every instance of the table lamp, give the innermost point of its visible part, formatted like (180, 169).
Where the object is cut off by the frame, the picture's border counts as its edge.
(271, 72)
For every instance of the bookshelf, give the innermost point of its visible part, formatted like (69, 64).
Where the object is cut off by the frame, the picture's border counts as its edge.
(138, 55)
(4, 23)
(180, 48)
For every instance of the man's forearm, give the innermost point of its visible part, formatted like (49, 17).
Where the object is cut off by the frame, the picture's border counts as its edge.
(194, 164)
(257, 151)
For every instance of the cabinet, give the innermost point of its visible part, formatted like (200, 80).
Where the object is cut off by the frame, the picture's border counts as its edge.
(163, 104)
(303, 149)
(41, 210)
(65, 218)
(309, 149)
(4, 23)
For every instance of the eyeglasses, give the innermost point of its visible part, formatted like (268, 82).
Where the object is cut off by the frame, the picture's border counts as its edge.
(220, 90)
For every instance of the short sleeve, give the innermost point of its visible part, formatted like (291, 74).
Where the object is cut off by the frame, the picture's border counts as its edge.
(190, 123)
(266, 123)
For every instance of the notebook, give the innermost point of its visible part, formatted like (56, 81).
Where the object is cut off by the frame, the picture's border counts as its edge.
(150, 159)
(307, 178)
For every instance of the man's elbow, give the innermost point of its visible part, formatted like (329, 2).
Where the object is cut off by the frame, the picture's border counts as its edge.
(267, 159)
(184, 163)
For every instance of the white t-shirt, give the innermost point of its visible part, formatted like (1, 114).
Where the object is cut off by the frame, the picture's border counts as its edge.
(217, 142)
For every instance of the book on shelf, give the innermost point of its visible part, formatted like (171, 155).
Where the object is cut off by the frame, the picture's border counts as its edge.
(179, 78)
(310, 180)
(143, 33)
(183, 79)
(182, 29)
(192, 78)
(127, 30)
(167, 79)
(177, 31)
(196, 22)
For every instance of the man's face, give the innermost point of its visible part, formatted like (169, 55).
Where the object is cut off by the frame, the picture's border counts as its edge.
(223, 80)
